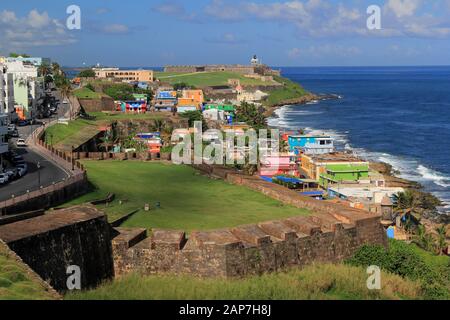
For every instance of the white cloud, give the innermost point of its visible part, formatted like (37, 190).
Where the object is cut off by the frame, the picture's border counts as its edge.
(38, 20)
(320, 18)
(226, 38)
(403, 8)
(294, 53)
(34, 29)
(115, 28)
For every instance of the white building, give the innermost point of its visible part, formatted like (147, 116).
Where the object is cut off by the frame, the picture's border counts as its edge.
(28, 88)
(7, 93)
(3, 118)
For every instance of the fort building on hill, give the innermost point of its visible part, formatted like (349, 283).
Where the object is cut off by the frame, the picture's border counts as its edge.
(254, 68)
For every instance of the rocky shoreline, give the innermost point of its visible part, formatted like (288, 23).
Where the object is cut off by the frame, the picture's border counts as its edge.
(392, 180)
(310, 97)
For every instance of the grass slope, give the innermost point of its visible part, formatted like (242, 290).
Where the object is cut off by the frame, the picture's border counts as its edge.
(322, 281)
(17, 282)
(203, 79)
(290, 90)
(79, 131)
(86, 93)
(189, 201)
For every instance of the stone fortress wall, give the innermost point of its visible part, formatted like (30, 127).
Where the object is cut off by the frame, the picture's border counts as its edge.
(332, 233)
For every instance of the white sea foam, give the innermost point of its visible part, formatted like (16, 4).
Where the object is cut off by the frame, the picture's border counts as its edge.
(406, 168)
(437, 177)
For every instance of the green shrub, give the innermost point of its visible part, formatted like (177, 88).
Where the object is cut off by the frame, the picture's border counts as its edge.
(405, 260)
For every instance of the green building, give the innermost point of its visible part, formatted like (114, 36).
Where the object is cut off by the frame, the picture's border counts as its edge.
(220, 107)
(341, 173)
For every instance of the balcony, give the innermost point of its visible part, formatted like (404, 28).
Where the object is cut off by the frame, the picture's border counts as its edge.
(4, 147)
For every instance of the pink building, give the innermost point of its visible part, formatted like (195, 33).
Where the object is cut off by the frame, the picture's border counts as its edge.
(278, 165)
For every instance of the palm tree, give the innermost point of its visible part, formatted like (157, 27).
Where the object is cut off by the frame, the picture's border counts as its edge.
(419, 239)
(66, 93)
(441, 242)
(56, 69)
(44, 70)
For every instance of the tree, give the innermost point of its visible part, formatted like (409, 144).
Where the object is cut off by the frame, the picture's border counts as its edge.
(182, 86)
(90, 87)
(194, 116)
(120, 91)
(441, 242)
(248, 113)
(56, 68)
(16, 55)
(88, 73)
(48, 79)
(44, 70)
(66, 93)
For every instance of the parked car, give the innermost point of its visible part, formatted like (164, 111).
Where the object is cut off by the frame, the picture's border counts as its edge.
(21, 142)
(14, 134)
(4, 178)
(23, 123)
(12, 174)
(22, 170)
(17, 158)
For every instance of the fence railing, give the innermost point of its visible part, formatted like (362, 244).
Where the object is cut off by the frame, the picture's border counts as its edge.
(80, 177)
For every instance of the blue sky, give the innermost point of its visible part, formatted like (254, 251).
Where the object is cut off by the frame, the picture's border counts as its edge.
(282, 33)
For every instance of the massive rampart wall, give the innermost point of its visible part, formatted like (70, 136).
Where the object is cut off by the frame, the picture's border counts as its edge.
(331, 234)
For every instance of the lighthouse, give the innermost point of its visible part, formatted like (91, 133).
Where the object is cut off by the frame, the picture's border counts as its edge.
(254, 61)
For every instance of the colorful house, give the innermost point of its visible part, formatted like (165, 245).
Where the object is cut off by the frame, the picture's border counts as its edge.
(341, 173)
(140, 97)
(313, 166)
(191, 98)
(165, 100)
(152, 140)
(221, 107)
(278, 165)
(132, 106)
(311, 144)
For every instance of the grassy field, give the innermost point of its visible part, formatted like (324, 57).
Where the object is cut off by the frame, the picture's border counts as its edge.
(290, 90)
(86, 93)
(15, 281)
(321, 281)
(203, 79)
(189, 201)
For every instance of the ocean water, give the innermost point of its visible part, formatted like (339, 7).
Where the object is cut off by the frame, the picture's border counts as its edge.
(398, 115)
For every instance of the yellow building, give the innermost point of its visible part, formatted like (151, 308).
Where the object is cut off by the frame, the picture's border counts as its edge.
(125, 75)
(313, 166)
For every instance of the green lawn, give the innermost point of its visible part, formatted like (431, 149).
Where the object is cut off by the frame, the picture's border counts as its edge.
(317, 282)
(203, 79)
(86, 93)
(189, 201)
(16, 283)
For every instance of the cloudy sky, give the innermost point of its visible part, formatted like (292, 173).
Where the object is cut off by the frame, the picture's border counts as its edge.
(283, 33)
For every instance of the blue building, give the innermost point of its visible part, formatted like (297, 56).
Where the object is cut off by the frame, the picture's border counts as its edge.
(166, 100)
(311, 145)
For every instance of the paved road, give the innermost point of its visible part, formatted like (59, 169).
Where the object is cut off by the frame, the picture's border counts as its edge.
(48, 173)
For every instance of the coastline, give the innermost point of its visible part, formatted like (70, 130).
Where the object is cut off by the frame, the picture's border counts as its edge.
(392, 179)
(309, 97)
